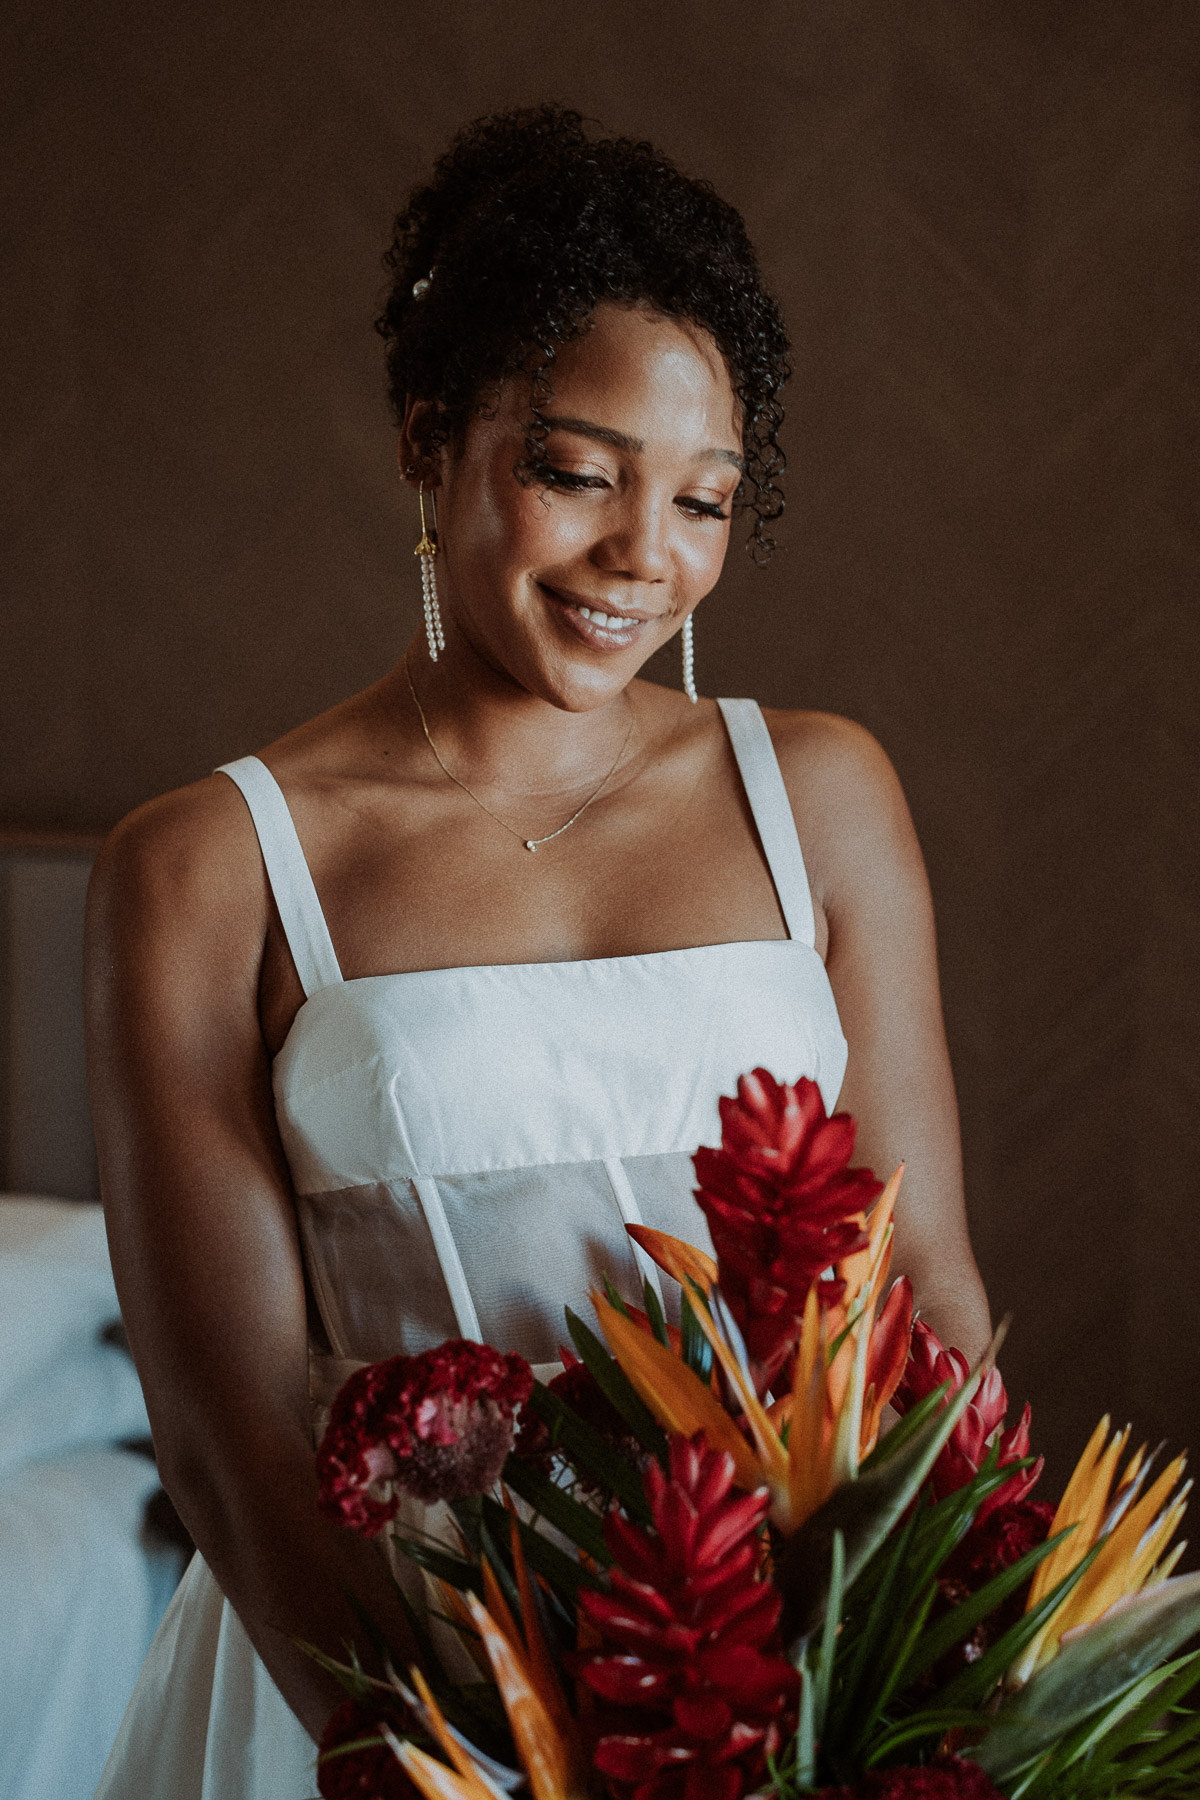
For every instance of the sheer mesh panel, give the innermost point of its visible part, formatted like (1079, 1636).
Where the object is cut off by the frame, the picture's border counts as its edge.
(375, 1272)
(531, 1241)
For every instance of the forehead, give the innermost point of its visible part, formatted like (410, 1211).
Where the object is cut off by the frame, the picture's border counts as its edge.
(662, 381)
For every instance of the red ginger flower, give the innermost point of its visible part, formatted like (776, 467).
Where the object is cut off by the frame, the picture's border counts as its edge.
(368, 1774)
(439, 1425)
(781, 1207)
(948, 1780)
(691, 1658)
(929, 1364)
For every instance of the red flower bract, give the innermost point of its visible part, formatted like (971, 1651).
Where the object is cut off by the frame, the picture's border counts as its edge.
(929, 1364)
(948, 1780)
(371, 1773)
(698, 1694)
(781, 1206)
(439, 1425)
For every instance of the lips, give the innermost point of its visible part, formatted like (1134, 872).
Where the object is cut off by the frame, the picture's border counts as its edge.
(601, 625)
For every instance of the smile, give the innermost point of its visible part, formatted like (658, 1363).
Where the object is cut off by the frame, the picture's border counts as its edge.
(605, 630)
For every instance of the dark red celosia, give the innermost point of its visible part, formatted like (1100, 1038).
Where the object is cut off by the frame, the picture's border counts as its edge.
(950, 1779)
(781, 1205)
(697, 1692)
(929, 1364)
(1000, 1538)
(438, 1425)
(368, 1774)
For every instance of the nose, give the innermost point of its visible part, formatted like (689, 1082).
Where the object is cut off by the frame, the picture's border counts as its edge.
(634, 545)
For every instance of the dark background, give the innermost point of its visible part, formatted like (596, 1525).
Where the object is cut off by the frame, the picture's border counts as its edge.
(981, 222)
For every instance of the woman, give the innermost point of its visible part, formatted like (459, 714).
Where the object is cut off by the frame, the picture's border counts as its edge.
(560, 909)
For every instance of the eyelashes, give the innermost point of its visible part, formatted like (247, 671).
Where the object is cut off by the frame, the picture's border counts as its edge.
(571, 483)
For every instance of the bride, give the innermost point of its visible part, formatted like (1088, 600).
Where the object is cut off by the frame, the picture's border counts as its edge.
(396, 1026)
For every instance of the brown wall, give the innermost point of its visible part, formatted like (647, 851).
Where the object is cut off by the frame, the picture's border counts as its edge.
(981, 223)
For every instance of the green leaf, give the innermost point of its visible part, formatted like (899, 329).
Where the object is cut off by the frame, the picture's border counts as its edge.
(561, 1571)
(614, 1299)
(976, 1682)
(453, 1570)
(957, 1625)
(613, 1382)
(864, 1511)
(654, 1311)
(585, 1448)
(1089, 1671)
(578, 1523)
(904, 1428)
(829, 1633)
(697, 1351)
(1091, 1753)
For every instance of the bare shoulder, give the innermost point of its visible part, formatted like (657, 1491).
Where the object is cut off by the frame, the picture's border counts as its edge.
(849, 805)
(184, 869)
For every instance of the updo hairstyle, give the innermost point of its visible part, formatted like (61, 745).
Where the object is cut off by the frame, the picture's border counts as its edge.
(527, 225)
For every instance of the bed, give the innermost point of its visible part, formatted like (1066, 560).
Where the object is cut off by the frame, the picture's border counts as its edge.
(88, 1554)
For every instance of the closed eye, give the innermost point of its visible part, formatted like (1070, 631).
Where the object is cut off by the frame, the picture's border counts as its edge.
(572, 482)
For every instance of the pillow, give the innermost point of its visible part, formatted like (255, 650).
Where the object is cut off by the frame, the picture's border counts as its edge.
(56, 1285)
(61, 1388)
(89, 1397)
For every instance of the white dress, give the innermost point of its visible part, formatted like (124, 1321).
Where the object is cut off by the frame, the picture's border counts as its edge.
(467, 1146)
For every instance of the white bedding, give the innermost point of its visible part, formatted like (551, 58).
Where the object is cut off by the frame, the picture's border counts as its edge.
(81, 1594)
(82, 1599)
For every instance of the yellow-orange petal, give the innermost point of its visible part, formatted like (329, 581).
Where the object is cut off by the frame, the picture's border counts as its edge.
(679, 1400)
(538, 1661)
(467, 1768)
(675, 1257)
(432, 1778)
(545, 1757)
(1082, 1503)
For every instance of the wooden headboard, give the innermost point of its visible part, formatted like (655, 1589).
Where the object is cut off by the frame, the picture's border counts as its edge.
(46, 1144)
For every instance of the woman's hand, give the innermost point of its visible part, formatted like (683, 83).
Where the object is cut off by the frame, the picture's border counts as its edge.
(875, 915)
(202, 1226)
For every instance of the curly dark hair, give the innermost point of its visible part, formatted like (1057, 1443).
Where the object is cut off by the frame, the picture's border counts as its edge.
(529, 223)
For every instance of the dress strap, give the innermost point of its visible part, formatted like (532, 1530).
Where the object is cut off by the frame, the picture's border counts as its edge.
(772, 812)
(288, 873)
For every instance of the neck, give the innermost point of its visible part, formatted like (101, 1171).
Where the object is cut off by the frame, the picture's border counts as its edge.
(492, 732)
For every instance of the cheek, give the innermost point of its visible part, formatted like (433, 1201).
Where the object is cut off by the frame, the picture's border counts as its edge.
(702, 554)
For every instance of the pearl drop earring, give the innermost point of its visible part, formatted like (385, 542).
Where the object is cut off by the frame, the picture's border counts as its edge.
(688, 641)
(427, 550)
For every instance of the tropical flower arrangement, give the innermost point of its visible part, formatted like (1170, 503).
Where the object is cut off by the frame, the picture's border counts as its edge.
(693, 1567)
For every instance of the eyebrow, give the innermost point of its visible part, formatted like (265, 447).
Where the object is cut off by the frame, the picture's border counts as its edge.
(621, 440)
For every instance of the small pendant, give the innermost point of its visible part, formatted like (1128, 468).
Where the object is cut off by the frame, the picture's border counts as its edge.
(529, 844)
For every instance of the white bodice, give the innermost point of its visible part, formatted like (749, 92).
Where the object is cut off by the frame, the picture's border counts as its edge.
(468, 1144)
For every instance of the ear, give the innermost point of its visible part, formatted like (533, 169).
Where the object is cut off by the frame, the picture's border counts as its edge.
(420, 461)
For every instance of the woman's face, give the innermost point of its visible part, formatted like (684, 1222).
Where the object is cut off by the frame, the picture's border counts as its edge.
(567, 585)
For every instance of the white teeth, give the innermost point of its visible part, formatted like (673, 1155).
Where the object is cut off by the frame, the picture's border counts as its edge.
(606, 621)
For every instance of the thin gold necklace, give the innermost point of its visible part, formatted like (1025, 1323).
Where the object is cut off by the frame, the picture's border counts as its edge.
(529, 843)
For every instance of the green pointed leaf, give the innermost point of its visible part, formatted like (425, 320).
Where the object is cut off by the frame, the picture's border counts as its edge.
(1091, 1670)
(561, 1571)
(976, 1682)
(586, 1449)
(578, 1523)
(453, 1570)
(697, 1351)
(904, 1428)
(654, 1311)
(957, 1625)
(864, 1511)
(613, 1381)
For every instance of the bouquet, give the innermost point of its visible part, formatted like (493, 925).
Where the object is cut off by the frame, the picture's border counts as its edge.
(692, 1567)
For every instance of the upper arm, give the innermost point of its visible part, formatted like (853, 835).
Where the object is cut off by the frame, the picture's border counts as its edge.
(868, 876)
(200, 1217)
